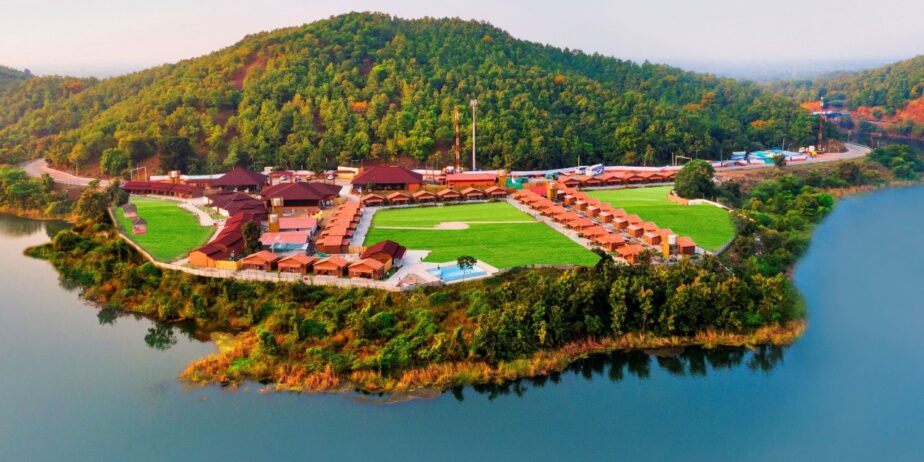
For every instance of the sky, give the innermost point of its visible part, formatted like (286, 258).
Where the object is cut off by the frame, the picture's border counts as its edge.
(109, 37)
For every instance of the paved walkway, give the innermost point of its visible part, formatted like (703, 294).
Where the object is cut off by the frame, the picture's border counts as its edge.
(568, 232)
(204, 218)
(365, 223)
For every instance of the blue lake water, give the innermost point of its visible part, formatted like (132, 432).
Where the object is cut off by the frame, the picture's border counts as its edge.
(76, 384)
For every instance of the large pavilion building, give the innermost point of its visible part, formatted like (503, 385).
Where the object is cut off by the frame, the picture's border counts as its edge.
(308, 198)
(387, 178)
(240, 179)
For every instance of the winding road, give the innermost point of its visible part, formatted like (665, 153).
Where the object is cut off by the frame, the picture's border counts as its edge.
(38, 167)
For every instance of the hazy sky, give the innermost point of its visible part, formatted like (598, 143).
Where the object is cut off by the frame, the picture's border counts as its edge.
(104, 37)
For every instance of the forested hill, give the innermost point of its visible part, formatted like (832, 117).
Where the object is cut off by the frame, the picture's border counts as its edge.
(890, 87)
(9, 75)
(374, 87)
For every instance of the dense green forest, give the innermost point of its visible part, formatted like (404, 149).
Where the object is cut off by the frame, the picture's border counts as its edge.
(9, 76)
(890, 87)
(361, 87)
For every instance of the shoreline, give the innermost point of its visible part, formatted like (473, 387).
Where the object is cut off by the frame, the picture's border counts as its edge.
(244, 355)
(431, 381)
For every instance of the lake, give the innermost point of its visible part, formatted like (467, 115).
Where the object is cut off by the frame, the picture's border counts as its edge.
(80, 384)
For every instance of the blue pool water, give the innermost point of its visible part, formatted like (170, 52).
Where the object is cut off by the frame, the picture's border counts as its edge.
(453, 273)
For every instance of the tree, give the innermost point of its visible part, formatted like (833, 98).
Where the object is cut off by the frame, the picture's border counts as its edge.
(78, 155)
(779, 161)
(694, 180)
(465, 263)
(92, 205)
(114, 161)
(176, 154)
(251, 234)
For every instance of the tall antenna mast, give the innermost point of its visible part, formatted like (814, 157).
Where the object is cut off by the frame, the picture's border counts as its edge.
(458, 161)
(474, 103)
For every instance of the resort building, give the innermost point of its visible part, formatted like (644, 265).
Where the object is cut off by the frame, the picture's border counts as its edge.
(129, 210)
(226, 245)
(465, 180)
(297, 263)
(449, 195)
(139, 225)
(299, 198)
(240, 179)
(424, 197)
(372, 200)
(686, 246)
(367, 268)
(496, 192)
(331, 266)
(630, 252)
(398, 198)
(387, 178)
(472, 194)
(387, 252)
(261, 261)
(161, 189)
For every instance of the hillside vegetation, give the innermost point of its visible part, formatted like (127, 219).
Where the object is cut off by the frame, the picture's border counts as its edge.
(372, 87)
(891, 87)
(9, 76)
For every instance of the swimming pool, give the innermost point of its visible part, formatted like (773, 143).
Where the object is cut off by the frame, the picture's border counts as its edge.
(454, 273)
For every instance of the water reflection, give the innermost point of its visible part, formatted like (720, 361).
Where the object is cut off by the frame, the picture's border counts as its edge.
(161, 336)
(678, 362)
(16, 226)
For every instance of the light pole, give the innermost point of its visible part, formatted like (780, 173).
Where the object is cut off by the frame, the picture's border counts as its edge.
(474, 104)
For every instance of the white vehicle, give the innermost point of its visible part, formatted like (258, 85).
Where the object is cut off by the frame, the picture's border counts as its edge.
(596, 170)
(581, 170)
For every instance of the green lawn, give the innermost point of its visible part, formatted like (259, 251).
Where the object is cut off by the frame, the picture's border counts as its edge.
(172, 231)
(430, 216)
(709, 226)
(501, 245)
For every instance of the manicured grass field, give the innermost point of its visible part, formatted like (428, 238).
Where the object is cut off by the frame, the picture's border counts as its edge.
(503, 245)
(430, 216)
(172, 231)
(709, 226)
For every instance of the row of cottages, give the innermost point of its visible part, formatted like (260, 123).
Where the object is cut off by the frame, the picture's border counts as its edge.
(299, 198)
(387, 178)
(227, 245)
(374, 262)
(336, 235)
(604, 213)
(426, 197)
(632, 225)
(161, 189)
(618, 178)
(288, 233)
(230, 203)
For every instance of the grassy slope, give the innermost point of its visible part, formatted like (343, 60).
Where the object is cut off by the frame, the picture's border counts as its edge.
(172, 231)
(709, 226)
(501, 245)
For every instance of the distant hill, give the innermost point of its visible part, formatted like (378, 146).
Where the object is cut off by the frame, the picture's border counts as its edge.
(9, 75)
(890, 96)
(374, 88)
